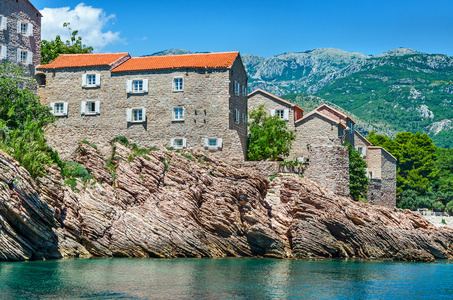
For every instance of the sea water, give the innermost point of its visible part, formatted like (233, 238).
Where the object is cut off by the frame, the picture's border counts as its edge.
(234, 278)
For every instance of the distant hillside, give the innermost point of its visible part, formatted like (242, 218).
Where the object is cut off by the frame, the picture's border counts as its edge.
(399, 90)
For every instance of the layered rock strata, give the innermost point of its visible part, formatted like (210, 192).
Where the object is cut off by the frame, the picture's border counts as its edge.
(170, 204)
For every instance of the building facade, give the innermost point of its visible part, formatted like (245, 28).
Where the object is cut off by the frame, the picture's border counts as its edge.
(196, 101)
(20, 34)
(320, 135)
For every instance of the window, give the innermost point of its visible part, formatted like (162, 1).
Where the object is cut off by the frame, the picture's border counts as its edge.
(282, 113)
(244, 91)
(236, 87)
(91, 79)
(24, 28)
(237, 116)
(213, 143)
(244, 118)
(137, 115)
(20, 85)
(178, 113)
(3, 23)
(137, 86)
(352, 128)
(2, 52)
(178, 143)
(90, 107)
(178, 84)
(23, 56)
(59, 109)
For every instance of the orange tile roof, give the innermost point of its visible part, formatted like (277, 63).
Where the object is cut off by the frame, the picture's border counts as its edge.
(83, 60)
(202, 60)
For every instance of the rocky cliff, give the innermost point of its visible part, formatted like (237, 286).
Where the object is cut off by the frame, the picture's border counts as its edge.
(170, 204)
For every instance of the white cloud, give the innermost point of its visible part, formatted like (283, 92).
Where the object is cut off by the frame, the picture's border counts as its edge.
(89, 21)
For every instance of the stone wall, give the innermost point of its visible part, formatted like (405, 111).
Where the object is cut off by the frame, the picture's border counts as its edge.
(21, 10)
(208, 100)
(257, 99)
(382, 190)
(329, 167)
(310, 130)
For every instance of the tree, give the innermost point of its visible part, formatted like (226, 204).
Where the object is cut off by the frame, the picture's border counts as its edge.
(269, 137)
(416, 154)
(51, 50)
(22, 122)
(358, 182)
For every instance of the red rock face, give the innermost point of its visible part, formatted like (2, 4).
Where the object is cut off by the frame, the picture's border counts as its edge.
(168, 204)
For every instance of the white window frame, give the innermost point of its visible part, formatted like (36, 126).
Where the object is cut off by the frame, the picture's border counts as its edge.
(3, 50)
(137, 86)
(237, 116)
(175, 115)
(280, 113)
(130, 86)
(63, 112)
(90, 80)
(94, 104)
(130, 115)
(178, 87)
(135, 114)
(3, 23)
(219, 143)
(178, 143)
(28, 28)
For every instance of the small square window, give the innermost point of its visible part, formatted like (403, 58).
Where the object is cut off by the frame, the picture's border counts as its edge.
(178, 113)
(178, 143)
(24, 28)
(91, 107)
(178, 84)
(137, 115)
(137, 86)
(91, 79)
(23, 56)
(20, 85)
(212, 142)
(280, 113)
(58, 109)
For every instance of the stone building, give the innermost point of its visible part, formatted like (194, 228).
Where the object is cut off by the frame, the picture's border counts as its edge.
(20, 34)
(180, 101)
(319, 138)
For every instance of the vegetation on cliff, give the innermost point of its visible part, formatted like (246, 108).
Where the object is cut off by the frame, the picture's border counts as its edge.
(22, 122)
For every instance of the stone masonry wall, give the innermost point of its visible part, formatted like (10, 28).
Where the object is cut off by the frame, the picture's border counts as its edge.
(382, 190)
(270, 103)
(309, 131)
(329, 167)
(208, 100)
(21, 10)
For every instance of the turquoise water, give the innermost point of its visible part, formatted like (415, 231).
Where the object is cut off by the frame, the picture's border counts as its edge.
(225, 279)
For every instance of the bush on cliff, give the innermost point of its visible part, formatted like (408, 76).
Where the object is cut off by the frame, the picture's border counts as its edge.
(22, 122)
(269, 137)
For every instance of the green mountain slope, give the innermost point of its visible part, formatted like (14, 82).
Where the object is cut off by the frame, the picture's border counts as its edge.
(411, 92)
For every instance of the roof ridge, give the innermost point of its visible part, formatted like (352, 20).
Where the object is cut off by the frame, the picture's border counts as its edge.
(74, 54)
(186, 54)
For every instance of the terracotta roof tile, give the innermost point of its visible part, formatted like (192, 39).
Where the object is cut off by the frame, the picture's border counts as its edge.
(83, 60)
(202, 60)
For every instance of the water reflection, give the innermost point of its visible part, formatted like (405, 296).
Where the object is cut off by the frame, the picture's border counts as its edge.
(224, 279)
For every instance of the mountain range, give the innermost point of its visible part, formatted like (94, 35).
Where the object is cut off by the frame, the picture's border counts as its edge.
(399, 90)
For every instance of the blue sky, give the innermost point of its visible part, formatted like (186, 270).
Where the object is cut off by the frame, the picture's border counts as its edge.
(264, 28)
